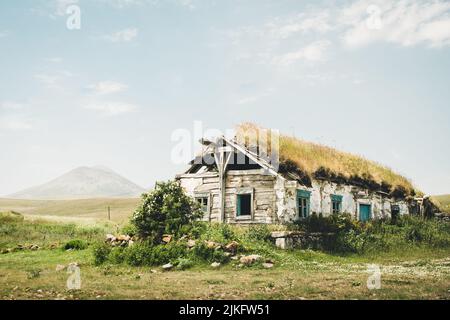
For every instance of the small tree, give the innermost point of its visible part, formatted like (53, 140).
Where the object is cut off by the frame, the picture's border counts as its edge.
(164, 210)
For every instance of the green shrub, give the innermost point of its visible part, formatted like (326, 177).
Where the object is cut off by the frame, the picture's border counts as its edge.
(258, 233)
(129, 229)
(164, 210)
(117, 255)
(219, 232)
(101, 253)
(183, 263)
(141, 254)
(138, 255)
(202, 253)
(195, 230)
(75, 244)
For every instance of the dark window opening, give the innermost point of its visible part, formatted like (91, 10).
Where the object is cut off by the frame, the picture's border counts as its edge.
(395, 212)
(244, 205)
(239, 161)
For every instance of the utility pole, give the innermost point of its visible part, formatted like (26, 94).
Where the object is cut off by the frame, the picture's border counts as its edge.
(109, 213)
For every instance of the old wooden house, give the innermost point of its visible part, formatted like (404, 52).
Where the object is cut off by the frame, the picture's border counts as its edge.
(252, 190)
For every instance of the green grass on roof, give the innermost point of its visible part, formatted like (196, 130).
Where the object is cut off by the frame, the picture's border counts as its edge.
(315, 159)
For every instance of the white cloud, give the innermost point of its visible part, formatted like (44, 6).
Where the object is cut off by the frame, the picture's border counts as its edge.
(187, 3)
(60, 6)
(112, 108)
(406, 23)
(108, 87)
(312, 53)
(125, 35)
(301, 23)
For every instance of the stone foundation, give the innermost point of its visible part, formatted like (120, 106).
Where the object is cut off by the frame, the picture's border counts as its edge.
(299, 239)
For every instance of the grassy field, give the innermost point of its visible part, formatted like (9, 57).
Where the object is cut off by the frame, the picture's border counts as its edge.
(416, 273)
(85, 210)
(444, 201)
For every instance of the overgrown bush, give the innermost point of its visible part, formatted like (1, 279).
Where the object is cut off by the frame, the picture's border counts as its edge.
(101, 253)
(258, 233)
(164, 210)
(218, 232)
(151, 255)
(129, 229)
(201, 252)
(349, 235)
(75, 244)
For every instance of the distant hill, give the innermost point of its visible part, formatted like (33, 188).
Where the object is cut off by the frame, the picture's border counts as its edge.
(443, 201)
(83, 183)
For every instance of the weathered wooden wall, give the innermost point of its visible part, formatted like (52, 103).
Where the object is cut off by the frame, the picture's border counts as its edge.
(274, 198)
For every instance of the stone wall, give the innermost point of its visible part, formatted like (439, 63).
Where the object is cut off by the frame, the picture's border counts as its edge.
(320, 201)
(302, 240)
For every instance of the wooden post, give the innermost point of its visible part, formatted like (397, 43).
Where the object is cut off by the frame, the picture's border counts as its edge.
(222, 160)
(109, 213)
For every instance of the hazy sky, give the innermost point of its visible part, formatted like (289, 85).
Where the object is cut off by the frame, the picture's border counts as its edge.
(369, 77)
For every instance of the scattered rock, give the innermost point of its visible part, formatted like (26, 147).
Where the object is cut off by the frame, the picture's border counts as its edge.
(215, 265)
(191, 243)
(167, 238)
(110, 238)
(60, 267)
(34, 247)
(248, 260)
(153, 271)
(267, 265)
(167, 266)
(232, 247)
(213, 245)
(123, 238)
(234, 258)
(119, 241)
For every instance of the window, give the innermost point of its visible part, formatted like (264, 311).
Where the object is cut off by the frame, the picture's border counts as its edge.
(244, 205)
(203, 202)
(303, 198)
(365, 212)
(336, 204)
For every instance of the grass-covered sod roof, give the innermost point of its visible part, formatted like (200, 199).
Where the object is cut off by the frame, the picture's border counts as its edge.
(311, 160)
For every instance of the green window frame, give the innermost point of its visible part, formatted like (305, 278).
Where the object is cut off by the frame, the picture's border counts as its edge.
(365, 212)
(244, 201)
(303, 203)
(336, 204)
